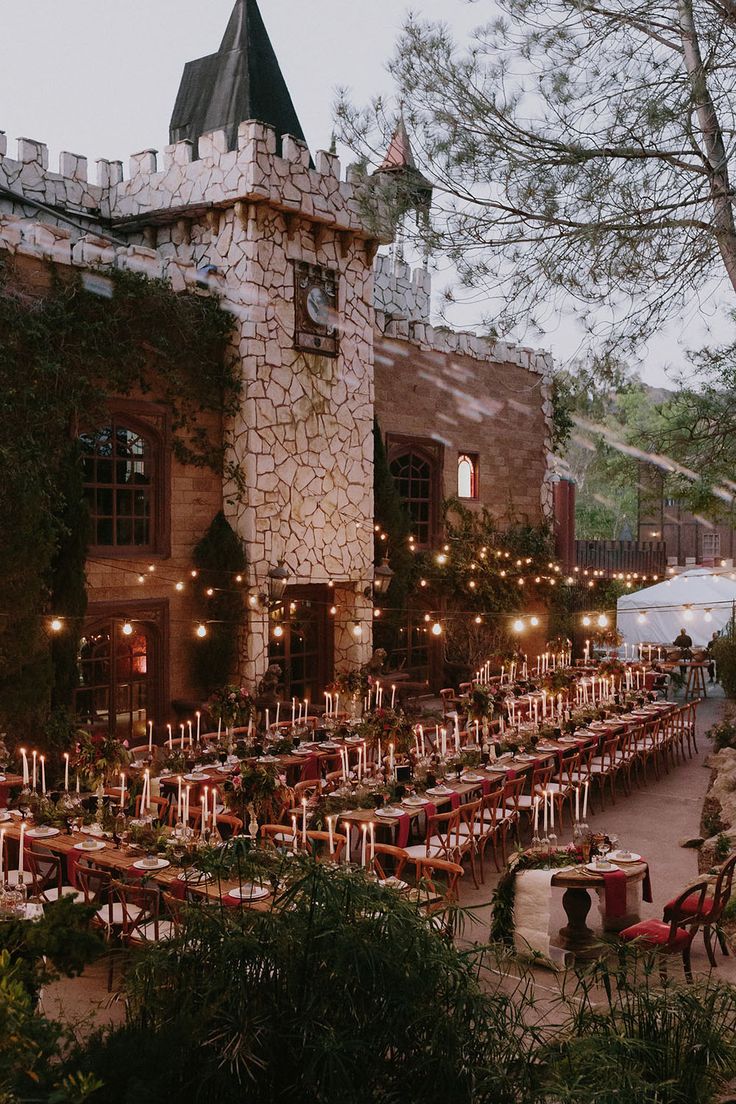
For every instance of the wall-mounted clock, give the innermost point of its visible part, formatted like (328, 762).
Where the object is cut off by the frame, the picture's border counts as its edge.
(315, 309)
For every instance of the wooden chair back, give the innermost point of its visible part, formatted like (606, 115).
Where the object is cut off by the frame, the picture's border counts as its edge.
(389, 861)
(318, 846)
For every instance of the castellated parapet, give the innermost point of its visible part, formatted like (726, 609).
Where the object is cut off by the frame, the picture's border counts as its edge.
(188, 188)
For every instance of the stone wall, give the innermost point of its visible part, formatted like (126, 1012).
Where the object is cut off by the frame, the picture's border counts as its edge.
(472, 396)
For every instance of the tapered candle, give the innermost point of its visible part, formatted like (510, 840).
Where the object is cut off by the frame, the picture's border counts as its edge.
(393, 696)
(306, 710)
(198, 715)
(186, 806)
(43, 774)
(146, 799)
(294, 831)
(170, 735)
(268, 721)
(191, 738)
(205, 808)
(21, 856)
(373, 841)
(362, 849)
(179, 803)
(214, 810)
(77, 781)
(585, 802)
(577, 804)
(304, 821)
(545, 812)
(35, 769)
(552, 810)
(337, 703)
(293, 710)
(331, 833)
(66, 771)
(24, 757)
(122, 790)
(536, 815)
(181, 733)
(150, 735)
(2, 857)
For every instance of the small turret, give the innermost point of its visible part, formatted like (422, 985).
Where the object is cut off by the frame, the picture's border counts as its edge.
(409, 189)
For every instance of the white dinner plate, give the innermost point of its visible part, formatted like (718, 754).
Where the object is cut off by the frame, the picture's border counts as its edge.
(197, 776)
(415, 801)
(304, 751)
(195, 877)
(89, 845)
(604, 868)
(143, 864)
(42, 833)
(393, 883)
(440, 791)
(328, 745)
(389, 811)
(471, 777)
(625, 856)
(249, 892)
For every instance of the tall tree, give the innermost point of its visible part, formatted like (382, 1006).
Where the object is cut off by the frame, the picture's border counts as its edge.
(582, 153)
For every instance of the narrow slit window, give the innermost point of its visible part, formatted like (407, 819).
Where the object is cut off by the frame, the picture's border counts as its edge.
(467, 476)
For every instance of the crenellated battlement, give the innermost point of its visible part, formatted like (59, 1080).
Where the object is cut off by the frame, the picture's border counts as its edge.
(43, 241)
(181, 186)
(400, 292)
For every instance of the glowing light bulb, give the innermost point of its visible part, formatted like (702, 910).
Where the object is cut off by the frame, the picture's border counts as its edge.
(238, 578)
(333, 610)
(278, 631)
(479, 620)
(436, 629)
(141, 578)
(127, 629)
(518, 625)
(707, 616)
(209, 592)
(56, 624)
(602, 621)
(201, 631)
(179, 585)
(441, 559)
(586, 621)
(357, 630)
(687, 615)
(642, 617)
(534, 621)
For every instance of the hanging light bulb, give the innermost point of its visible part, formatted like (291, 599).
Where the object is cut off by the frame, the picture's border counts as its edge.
(479, 620)
(56, 624)
(141, 578)
(209, 592)
(441, 559)
(127, 628)
(602, 621)
(518, 625)
(707, 616)
(238, 578)
(587, 622)
(436, 629)
(687, 614)
(179, 585)
(642, 617)
(201, 631)
(357, 630)
(194, 574)
(333, 610)
(278, 631)
(534, 621)
(151, 567)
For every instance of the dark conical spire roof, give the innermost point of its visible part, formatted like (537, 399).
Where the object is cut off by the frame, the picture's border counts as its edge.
(243, 80)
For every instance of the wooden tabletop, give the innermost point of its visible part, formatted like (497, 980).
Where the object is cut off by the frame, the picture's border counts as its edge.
(577, 877)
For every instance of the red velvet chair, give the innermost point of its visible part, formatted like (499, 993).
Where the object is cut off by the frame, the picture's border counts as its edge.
(712, 909)
(675, 934)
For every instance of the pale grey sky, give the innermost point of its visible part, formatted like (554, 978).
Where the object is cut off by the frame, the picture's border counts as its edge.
(99, 77)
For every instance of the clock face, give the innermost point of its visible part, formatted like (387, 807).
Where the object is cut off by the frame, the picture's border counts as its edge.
(315, 309)
(318, 307)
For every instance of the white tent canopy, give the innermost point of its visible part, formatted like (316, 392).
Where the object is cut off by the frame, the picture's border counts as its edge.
(700, 600)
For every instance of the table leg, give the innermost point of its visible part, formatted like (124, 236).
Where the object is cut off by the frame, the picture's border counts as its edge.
(576, 936)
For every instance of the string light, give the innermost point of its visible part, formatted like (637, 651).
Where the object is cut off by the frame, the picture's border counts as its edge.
(238, 578)
(333, 610)
(179, 585)
(602, 621)
(436, 629)
(209, 592)
(127, 628)
(518, 625)
(141, 578)
(278, 631)
(357, 630)
(534, 621)
(151, 567)
(707, 615)
(201, 631)
(587, 621)
(642, 617)
(56, 624)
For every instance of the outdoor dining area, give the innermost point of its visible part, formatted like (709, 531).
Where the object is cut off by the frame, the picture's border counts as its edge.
(227, 812)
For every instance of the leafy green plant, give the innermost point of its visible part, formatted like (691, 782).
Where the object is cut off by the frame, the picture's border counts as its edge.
(722, 848)
(724, 653)
(723, 734)
(219, 558)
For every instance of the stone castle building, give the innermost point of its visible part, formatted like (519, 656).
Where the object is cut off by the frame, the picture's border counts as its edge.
(330, 333)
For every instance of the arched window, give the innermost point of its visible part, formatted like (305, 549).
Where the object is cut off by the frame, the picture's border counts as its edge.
(467, 475)
(122, 466)
(413, 474)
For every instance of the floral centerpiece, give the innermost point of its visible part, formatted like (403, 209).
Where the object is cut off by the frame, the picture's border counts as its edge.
(390, 726)
(352, 684)
(256, 789)
(233, 706)
(612, 666)
(98, 755)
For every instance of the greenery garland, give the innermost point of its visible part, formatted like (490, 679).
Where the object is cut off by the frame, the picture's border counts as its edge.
(64, 352)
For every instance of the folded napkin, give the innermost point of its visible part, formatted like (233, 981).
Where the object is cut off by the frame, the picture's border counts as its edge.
(615, 893)
(402, 830)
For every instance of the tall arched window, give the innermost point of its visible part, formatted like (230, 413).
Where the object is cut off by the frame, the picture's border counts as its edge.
(122, 463)
(413, 474)
(467, 475)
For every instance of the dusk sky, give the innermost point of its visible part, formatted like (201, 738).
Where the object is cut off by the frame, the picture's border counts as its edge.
(99, 77)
